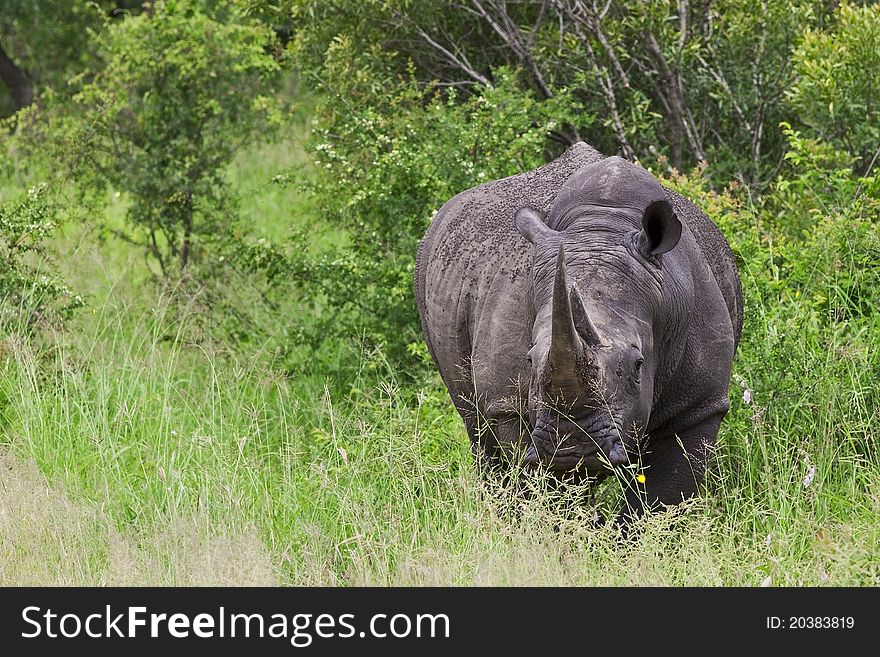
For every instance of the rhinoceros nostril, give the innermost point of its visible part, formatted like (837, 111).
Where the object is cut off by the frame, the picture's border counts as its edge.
(531, 455)
(617, 455)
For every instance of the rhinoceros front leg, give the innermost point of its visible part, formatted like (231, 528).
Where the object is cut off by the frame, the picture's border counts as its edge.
(499, 443)
(481, 430)
(673, 470)
(484, 445)
(498, 440)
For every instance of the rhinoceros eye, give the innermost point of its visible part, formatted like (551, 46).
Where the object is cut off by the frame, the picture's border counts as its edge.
(637, 371)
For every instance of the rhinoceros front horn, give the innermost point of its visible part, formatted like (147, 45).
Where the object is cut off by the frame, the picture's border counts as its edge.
(565, 345)
(571, 328)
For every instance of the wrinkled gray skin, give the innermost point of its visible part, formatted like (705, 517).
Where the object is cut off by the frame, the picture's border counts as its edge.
(583, 317)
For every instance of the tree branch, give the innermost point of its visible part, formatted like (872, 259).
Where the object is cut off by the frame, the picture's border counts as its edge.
(507, 29)
(577, 13)
(459, 62)
(672, 83)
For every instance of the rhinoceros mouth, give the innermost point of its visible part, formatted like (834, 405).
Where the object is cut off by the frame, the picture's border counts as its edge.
(594, 445)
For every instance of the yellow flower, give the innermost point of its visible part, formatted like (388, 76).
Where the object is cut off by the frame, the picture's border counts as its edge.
(640, 478)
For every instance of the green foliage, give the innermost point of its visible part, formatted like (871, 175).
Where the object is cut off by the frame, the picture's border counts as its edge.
(384, 166)
(658, 82)
(30, 293)
(816, 181)
(180, 93)
(736, 76)
(838, 271)
(48, 40)
(688, 80)
(837, 93)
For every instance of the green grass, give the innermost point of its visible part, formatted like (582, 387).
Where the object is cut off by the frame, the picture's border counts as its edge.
(170, 452)
(153, 442)
(134, 452)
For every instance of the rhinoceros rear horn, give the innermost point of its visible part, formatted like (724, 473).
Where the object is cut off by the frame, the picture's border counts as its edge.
(582, 322)
(661, 229)
(530, 224)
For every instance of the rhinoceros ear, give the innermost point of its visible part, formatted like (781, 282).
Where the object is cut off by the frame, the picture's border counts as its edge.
(661, 229)
(530, 224)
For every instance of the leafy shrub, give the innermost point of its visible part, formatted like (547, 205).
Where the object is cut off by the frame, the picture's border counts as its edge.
(48, 41)
(815, 180)
(30, 293)
(179, 94)
(837, 92)
(689, 81)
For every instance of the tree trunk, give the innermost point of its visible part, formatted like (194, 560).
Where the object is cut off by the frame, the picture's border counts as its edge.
(15, 79)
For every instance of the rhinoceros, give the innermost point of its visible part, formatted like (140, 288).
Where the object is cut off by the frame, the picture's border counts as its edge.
(584, 319)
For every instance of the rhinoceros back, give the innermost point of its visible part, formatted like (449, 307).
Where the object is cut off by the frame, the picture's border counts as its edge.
(717, 252)
(473, 237)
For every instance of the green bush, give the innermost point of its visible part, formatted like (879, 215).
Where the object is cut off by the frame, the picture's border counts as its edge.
(50, 41)
(688, 81)
(837, 92)
(179, 94)
(30, 292)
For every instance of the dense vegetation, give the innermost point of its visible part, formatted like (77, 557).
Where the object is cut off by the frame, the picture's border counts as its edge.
(210, 362)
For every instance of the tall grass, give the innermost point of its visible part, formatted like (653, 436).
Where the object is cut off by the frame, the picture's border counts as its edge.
(174, 464)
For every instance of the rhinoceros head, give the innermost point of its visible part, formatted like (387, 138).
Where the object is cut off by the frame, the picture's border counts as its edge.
(598, 302)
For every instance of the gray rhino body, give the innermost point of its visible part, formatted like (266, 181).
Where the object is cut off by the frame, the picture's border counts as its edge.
(584, 317)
